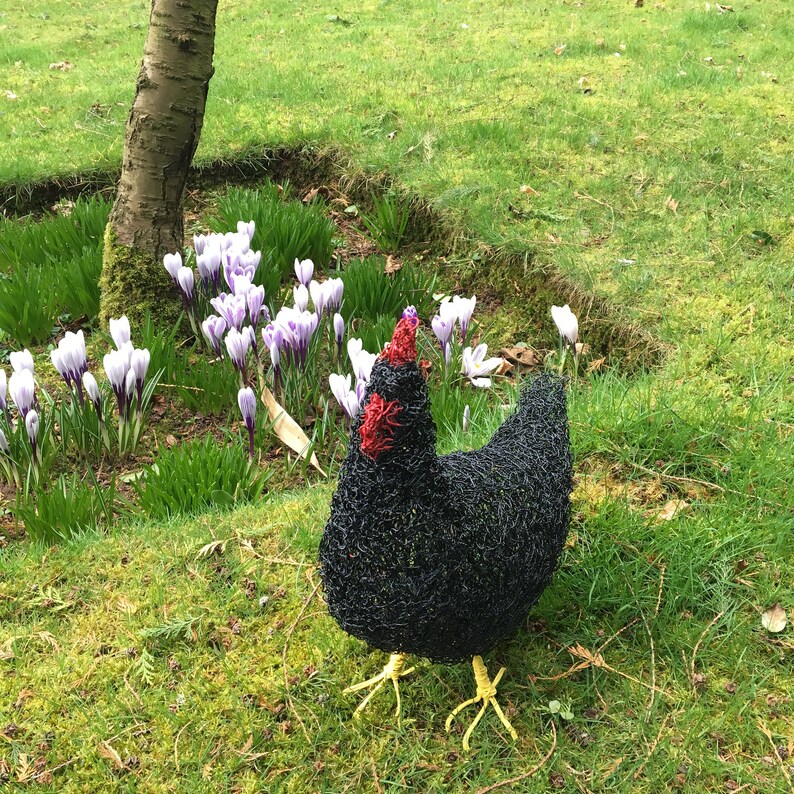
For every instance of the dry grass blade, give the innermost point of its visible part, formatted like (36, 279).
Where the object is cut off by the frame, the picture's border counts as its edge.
(535, 769)
(775, 754)
(697, 647)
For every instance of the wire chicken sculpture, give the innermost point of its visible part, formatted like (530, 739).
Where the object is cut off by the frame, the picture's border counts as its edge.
(443, 556)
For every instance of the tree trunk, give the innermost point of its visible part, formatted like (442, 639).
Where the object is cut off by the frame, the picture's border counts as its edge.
(163, 132)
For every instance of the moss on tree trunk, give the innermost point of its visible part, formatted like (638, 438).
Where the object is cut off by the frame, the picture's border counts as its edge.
(163, 132)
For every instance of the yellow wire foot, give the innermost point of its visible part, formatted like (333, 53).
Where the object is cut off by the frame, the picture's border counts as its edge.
(391, 672)
(486, 692)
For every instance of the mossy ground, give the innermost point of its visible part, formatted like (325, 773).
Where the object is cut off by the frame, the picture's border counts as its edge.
(664, 190)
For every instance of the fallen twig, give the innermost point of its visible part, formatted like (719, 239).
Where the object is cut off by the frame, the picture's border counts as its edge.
(375, 778)
(531, 772)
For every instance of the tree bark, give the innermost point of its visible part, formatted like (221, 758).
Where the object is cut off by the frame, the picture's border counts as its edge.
(162, 134)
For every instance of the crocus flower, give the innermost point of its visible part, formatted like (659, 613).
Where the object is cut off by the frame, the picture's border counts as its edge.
(247, 402)
(334, 289)
(464, 308)
(3, 392)
(466, 417)
(305, 325)
(255, 298)
(76, 343)
(126, 351)
(443, 329)
(409, 312)
(172, 263)
(116, 368)
(232, 308)
(304, 271)
(120, 331)
(21, 360)
(209, 265)
(186, 281)
(32, 426)
(475, 365)
(246, 228)
(237, 345)
(275, 360)
(139, 364)
(240, 284)
(23, 390)
(361, 361)
(92, 390)
(214, 328)
(347, 398)
(4, 443)
(235, 240)
(199, 244)
(301, 297)
(129, 391)
(251, 259)
(61, 366)
(319, 293)
(567, 325)
(339, 333)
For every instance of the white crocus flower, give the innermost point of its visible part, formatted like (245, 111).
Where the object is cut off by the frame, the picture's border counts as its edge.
(476, 365)
(567, 325)
(120, 331)
(21, 360)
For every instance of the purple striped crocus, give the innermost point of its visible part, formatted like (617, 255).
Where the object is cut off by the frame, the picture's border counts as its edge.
(464, 308)
(4, 395)
(32, 427)
(213, 329)
(22, 388)
(237, 345)
(247, 402)
(255, 298)
(139, 364)
(116, 367)
(172, 263)
(232, 308)
(443, 328)
(339, 334)
(92, 390)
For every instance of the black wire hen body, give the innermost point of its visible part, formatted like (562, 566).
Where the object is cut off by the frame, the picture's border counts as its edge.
(443, 556)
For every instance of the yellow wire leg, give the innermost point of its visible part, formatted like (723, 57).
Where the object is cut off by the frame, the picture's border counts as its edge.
(391, 672)
(486, 692)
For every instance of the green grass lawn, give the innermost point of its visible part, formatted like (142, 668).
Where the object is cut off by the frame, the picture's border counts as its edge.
(665, 190)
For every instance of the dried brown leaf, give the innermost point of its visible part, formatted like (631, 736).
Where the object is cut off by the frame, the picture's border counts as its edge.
(671, 510)
(671, 204)
(393, 264)
(170, 441)
(774, 619)
(126, 606)
(522, 357)
(288, 430)
(106, 751)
